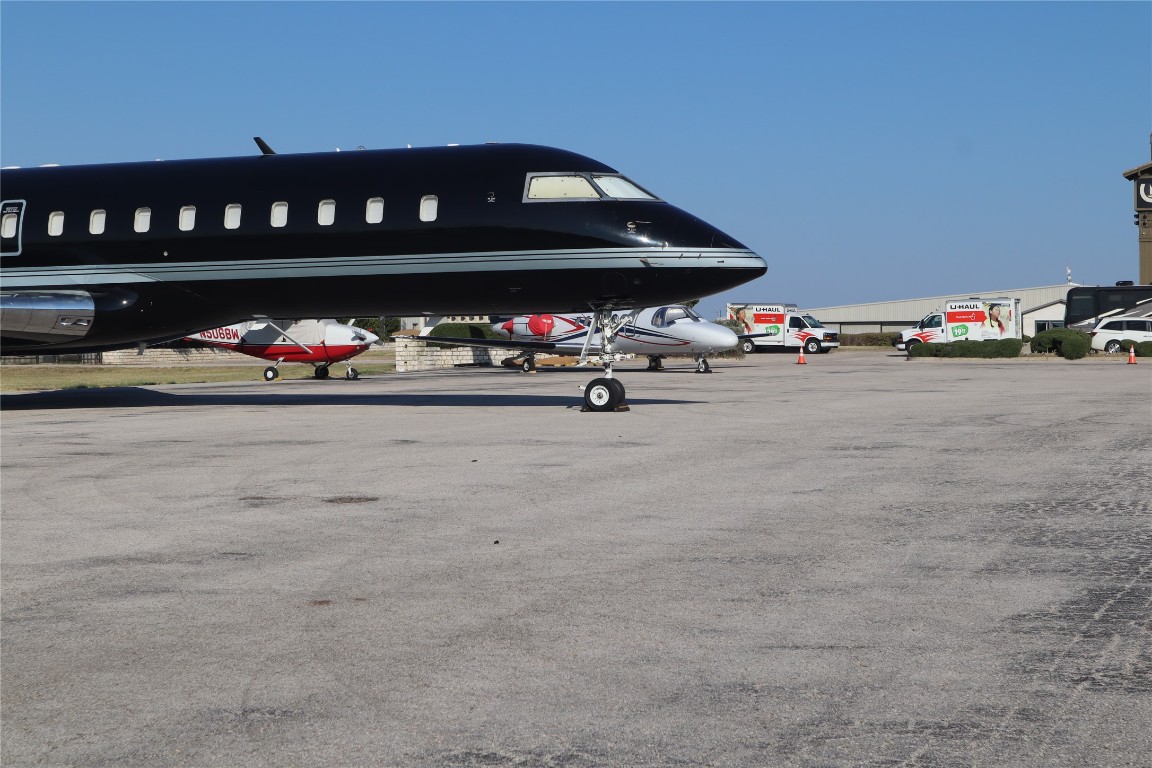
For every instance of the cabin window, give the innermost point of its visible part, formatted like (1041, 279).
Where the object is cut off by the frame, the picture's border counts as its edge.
(621, 188)
(279, 214)
(232, 216)
(187, 218)
(142, 222)
(428, 207)
(374, 211)
(96, 221)
(56, 223)
(8, 226)
(560, 187)
(326, 213)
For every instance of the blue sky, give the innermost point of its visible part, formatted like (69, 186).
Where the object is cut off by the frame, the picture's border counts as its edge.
(869, 151)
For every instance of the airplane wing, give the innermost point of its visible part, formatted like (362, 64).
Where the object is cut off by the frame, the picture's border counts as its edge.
(528, 346)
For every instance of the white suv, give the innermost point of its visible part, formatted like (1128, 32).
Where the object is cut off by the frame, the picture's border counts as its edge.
(1108, 334)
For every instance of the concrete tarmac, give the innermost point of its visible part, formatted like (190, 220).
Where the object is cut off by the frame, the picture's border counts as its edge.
(862, 561)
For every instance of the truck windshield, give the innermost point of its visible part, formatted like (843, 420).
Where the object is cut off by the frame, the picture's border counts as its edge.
(812, 322)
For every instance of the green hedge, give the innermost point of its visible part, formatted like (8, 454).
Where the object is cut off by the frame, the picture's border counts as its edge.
(1143, 348)
(867, 339)
(982, 349)
(1065, 342)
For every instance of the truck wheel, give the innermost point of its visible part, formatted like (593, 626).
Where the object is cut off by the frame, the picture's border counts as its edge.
(909, 344)
(812, 346)
(747, 346)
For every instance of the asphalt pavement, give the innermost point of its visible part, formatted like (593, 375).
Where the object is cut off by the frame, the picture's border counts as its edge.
(861, 561)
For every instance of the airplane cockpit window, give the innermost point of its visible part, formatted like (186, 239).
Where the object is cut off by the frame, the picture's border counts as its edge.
(561, 187)
(666, 316)
(578, 186)
(621, 188)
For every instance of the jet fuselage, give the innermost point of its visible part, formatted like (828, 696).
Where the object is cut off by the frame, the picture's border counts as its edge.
(103, 256)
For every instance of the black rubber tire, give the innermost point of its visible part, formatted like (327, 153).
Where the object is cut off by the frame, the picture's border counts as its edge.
(321, 372)
(352, 374)
(618, 387)
(270, 373)
(601, 395)
(747, 346)
(909, 344)
(812, 346)
(528, 365)
(1113, 346)
(703, 367)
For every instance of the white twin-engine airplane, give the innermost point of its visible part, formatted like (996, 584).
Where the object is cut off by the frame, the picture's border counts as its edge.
(319, 342)
(655, 332)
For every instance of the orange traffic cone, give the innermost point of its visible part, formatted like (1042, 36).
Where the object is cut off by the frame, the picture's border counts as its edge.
(1132, 355)
(800, 360)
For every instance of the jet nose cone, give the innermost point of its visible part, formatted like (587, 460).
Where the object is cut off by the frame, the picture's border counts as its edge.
(369, 337)
(720, 337)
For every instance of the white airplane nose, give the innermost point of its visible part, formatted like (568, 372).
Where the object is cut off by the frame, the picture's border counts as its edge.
(718, 337)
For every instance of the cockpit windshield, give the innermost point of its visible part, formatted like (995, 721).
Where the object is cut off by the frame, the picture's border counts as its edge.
(665, 316)
(620, 188)
(541, 187)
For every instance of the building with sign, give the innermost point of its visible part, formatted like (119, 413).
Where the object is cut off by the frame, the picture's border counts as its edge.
(1141, 178)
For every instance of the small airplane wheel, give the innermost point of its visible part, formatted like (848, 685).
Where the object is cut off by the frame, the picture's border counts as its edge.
(528, 365)
(352, 374)
(602, 394)
(702, 367)
(321, 372)
(270, 373)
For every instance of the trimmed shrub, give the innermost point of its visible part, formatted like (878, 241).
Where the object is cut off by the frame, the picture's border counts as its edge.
(1144, 349)
(867, 339)
(1054, 340)
(970, 349)
(1074, 348)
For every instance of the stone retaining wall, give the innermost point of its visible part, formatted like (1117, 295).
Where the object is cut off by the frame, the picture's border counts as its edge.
(418, 356)
(173, 356)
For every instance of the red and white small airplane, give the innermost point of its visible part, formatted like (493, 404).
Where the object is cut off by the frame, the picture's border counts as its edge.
(655, 332)
(319, 342)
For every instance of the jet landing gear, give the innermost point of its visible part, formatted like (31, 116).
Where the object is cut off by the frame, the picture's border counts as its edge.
(655, 362)
(702, 364)
(605, 393)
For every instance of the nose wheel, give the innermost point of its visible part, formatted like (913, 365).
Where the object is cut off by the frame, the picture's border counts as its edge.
(603, 394)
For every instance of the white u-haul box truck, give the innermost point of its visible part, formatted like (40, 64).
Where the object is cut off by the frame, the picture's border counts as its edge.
(972, 319)
(781, 326)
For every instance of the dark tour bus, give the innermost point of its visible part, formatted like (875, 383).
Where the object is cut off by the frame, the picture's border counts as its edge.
(1087, 302)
